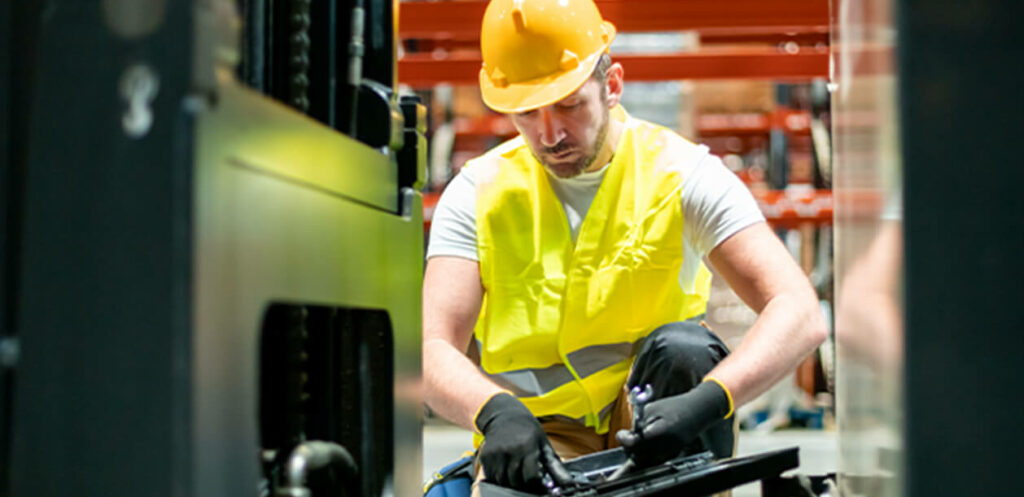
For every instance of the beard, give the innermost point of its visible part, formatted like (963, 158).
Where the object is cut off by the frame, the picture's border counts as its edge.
(584, 159)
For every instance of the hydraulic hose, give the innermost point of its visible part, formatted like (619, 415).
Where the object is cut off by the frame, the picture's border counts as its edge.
(356, 49)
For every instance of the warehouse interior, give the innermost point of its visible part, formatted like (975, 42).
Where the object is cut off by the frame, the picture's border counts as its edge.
(215, 215)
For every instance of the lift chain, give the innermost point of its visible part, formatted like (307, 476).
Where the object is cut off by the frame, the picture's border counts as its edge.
(298, 60)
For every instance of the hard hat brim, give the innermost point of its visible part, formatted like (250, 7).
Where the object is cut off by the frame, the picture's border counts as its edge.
(533, 94)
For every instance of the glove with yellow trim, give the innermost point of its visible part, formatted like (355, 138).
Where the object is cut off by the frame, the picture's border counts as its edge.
(668, 425)
(516, 452)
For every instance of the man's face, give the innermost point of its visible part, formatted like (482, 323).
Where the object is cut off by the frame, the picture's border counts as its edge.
(567, 135)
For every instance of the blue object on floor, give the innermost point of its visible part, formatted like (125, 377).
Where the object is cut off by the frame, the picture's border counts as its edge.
(809, 418)
(453, 480)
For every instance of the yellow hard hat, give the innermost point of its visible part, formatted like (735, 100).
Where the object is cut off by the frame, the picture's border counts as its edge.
(537, 52)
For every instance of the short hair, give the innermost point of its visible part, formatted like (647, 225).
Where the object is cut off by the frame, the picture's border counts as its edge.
(601, 69)
(600, 73)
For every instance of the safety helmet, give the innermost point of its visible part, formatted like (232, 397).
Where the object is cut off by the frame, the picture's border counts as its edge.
(537, 52)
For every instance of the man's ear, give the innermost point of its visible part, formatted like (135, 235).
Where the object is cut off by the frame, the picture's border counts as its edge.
(613, 84)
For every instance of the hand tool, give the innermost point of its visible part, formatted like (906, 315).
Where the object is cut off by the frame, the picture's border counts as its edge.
(638, 398)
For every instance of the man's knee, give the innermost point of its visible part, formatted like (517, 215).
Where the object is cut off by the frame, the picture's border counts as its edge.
(688, 342)
(680, 353)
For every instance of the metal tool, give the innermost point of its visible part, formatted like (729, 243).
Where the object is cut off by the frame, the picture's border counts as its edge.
(638, 398)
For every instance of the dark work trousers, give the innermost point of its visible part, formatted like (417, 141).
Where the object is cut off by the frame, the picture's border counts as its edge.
(675, 358)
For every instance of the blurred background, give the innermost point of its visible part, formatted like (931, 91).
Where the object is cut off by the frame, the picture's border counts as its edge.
(214, 215)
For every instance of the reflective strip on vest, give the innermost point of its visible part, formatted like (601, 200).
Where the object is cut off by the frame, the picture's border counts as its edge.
(586, 361)
(603, 415)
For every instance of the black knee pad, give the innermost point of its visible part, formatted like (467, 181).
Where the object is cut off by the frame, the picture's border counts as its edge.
(675, 357)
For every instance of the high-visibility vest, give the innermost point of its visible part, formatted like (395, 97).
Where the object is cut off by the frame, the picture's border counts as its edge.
(561, 322)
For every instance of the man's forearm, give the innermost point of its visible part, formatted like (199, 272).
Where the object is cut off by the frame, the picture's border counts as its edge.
(452, 296)
(455, 387)
(788, 329)
(789, 324)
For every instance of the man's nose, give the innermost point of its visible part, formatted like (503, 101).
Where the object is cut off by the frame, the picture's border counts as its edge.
(551, 130)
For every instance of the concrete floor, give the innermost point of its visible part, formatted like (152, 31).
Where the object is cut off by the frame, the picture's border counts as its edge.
(444, 443)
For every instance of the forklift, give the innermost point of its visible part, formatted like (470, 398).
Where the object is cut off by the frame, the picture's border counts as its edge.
(212, 250)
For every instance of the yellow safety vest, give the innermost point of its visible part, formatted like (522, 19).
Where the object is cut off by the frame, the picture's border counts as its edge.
(561, 322)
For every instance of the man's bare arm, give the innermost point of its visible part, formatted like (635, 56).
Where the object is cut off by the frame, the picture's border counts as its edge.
(452, 295)
(789, 325)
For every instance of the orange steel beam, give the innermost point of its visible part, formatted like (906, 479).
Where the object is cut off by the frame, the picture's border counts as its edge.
(783, 208)
(780, 207)
(462, 18)
(423, 70)
(801, 35)
(795, 122)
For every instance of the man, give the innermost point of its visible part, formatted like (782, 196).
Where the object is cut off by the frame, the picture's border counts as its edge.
(564, 266)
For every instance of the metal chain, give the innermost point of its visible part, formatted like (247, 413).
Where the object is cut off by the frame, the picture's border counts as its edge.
(298, 60)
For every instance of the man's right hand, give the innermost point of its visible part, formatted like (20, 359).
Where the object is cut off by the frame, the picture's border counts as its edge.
(516, 451)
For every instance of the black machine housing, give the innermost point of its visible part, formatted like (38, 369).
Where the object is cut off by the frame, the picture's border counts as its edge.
(211, 252)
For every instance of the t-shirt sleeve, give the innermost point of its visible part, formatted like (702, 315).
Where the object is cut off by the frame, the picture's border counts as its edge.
(453, 227)
(716, 205)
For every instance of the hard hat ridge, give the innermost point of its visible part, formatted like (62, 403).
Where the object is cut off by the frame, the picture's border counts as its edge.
(536, 52)
(518, 18)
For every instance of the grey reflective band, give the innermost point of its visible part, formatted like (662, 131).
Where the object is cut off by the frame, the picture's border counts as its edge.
(605, 411)
(533, 382)
(590, 360)
(587, 361)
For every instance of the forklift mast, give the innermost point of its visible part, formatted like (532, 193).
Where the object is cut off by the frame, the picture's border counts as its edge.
(211, 252)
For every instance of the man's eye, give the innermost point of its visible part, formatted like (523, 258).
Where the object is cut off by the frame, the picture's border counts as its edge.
(570, 105)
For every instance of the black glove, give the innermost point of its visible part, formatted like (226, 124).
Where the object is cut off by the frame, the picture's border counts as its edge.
(671, 423)
(516, 451)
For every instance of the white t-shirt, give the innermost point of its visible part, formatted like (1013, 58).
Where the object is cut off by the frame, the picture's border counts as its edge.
(716, 205)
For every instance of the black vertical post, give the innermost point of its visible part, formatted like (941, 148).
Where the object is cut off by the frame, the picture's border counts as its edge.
(252, 67)
(961, 102)
(379, 62)
(19, 29)
(778, 144)
(323, 62)
(103, 261)
(6, 35)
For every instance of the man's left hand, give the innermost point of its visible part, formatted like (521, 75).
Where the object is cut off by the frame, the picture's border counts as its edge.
(669, 424)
